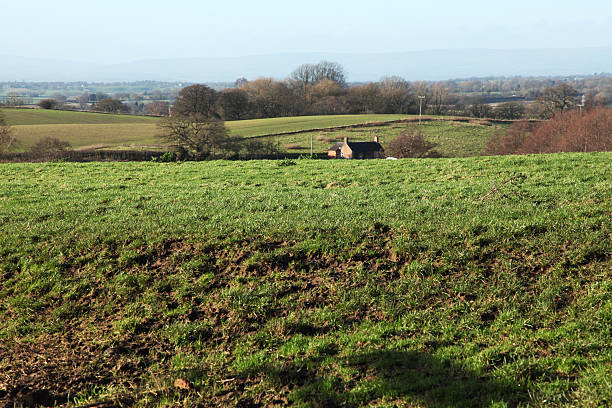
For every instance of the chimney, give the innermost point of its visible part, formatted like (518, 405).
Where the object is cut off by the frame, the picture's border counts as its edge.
(345, 139)
(376, 138)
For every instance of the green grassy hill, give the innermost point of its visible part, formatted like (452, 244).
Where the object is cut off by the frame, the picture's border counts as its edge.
(426, 283)
(95, 130)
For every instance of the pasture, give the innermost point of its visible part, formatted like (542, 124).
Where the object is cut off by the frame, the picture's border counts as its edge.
(468, 282)
(452, 138)
(94, 130)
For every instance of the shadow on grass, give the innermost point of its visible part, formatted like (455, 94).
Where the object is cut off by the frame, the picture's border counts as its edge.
(389, 378)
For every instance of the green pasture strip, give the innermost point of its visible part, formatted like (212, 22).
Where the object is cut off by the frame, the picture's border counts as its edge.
(259, 127)
(58, 117)
(470, 282)
(84, 135)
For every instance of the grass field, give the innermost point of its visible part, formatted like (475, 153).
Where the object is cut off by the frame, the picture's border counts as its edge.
(83, 129)
(452, 138)
(423, 283)
(87, 130)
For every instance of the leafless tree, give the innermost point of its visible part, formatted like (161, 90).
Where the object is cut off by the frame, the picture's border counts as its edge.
(159, 108)
(557, 99)
(197, 135)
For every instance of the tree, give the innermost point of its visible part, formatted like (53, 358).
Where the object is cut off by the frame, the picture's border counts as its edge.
(7, 140)
(555, 99)
(396, 95)
(196, 99)
(331, 71)
(196, 135)
(111, 106)
(233, 104)
(509, 110)
(270, 98)
(407, 145)
(437, 98)
(48, 104)
(159, 108)
(309, 74)
(478, 109)
(364, 98)
(304, 74)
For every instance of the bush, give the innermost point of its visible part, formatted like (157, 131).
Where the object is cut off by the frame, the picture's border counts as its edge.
(572, 131)
(411, 145)
(167, 157)
(569, 131)
(511, 140)
(50, 148)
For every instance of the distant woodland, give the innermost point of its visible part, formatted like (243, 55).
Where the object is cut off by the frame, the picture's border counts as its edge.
(323, 88)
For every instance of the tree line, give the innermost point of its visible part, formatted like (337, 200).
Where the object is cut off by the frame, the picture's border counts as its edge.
(318, 89)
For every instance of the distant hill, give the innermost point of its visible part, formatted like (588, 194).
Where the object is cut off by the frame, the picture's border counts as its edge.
(416, 65)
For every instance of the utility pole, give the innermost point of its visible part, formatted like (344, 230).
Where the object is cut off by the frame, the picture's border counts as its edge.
(420, 102)
(311, 145)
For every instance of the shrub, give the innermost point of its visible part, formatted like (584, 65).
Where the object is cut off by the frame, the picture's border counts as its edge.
(511, 140)
(411, 145)
(285, 162)
(568, 131)
(50, 147)
(167, 157)
(572, 131)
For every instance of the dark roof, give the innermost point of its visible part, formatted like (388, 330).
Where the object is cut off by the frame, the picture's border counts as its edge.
(336, 146)
(363, 147)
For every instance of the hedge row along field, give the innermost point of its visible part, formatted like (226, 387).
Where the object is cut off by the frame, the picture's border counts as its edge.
(427, 283)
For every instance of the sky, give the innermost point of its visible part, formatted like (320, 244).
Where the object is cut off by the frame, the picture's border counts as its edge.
(119, 31)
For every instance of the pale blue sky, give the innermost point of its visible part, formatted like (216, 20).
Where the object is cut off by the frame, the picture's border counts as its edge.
(114, 31)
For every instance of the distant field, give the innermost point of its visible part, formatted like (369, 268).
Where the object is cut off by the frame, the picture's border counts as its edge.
(452, 139)
(258, 127)
(322, 283)
(56, 117)
(83, 130)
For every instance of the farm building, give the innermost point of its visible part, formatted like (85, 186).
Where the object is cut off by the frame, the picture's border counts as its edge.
(357, 150)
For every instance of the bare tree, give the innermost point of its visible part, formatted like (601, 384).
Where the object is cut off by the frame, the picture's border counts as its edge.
(197, 135)
(159, 108)
(438, 97)
(557, 99)
(309, 74)
(396, 95)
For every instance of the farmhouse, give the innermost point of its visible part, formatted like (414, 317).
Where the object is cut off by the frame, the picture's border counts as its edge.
(357, 150)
